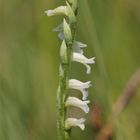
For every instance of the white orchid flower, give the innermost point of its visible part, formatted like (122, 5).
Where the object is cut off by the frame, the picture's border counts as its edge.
(78, 85)
(73, 122)
(82, 59)
(73, 101)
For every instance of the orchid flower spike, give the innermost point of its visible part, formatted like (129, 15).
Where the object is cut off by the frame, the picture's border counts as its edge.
(82, 59)
(70, 50)
(82, 86)
(73, 122)
(73, 101)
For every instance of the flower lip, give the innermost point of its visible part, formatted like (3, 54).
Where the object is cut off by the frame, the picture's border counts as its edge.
(73, 122)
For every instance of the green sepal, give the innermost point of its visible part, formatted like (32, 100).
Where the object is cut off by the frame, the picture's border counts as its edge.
(67, 33)
(74, 5)
(70, 14)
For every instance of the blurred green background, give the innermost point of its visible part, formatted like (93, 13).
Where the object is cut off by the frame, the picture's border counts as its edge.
(29, 61)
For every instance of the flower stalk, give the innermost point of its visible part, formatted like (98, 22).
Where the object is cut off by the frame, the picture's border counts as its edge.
(70, 50)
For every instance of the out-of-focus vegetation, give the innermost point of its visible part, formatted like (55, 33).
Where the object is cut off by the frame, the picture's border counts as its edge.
(29, 61)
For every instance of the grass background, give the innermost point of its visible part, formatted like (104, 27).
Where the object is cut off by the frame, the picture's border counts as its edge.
(29, 61)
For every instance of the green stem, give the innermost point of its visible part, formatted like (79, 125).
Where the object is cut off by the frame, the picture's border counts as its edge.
(61, 96)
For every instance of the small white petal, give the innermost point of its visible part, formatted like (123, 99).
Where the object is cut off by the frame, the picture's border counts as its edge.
(77, 47)
(73, 122)
(78, 85)
(73, 101)
(59, 29)
(82, 59)
(61, 10)
(61, 36)
(79, 44)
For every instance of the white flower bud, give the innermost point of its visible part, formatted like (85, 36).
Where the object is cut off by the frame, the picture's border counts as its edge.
(85, 61)
(78, 85)
(73, 101)
(73, 122)
(63, 52)
(61, 10)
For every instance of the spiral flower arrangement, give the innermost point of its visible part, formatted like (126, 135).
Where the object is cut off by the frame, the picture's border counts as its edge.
(70, 50)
